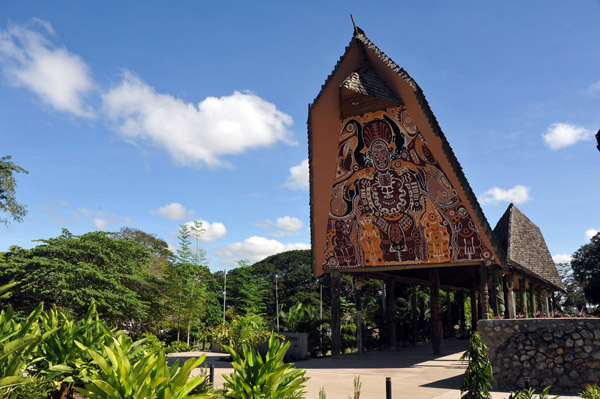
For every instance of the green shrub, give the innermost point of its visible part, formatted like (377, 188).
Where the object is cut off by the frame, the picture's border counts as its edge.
(148, 377)
(35, 390)
(268, 378)
(477, 380)
(591, 392)
(178, 346)
(63, 357)
(530, 394)
(18, 343)
(152, 344)
(241, 332)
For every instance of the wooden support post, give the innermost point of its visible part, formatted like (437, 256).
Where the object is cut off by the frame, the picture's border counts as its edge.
(523, 292)
(510, 297)
(359, 336)
(413, 305)
(532, 301)
(461, 312)
(437, 333)
(390, 305)
(483, 292)
(499, 307)
(493, 291)
(448, 313)
(474, 314)
(336, 283)
(545, 303)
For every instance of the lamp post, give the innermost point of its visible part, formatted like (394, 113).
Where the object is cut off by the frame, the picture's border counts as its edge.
(277, 302)
(224, 292)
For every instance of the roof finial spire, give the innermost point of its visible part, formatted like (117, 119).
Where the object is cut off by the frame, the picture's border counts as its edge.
(354, 23)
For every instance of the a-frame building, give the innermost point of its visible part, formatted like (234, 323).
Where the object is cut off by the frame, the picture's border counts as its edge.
(388, 197)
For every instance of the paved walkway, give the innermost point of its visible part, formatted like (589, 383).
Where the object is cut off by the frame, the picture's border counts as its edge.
(415, 372)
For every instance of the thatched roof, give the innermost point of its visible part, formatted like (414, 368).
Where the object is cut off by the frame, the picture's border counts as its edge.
(525, 247)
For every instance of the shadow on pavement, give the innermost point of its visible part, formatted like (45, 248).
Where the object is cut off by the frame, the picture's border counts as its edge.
(401, 358)
(446, 383)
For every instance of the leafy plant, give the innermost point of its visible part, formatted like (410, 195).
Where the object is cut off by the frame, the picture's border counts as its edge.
(591, 392)
(152, 343)
(149, 377)
(477, 380)
(322, 394)
(241, 332)
(357, 387)
(18, 344)
(178, 346)
(268, 378)
(35, 390)
(301, 318)
(63, 362)
(530, 394)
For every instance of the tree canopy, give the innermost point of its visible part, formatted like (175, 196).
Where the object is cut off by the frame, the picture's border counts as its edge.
(71, 270)
(586, 268)
(8, 186)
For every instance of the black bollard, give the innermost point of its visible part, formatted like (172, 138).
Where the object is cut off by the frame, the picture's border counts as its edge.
(211, 377)
(388, 388)
(527, 383)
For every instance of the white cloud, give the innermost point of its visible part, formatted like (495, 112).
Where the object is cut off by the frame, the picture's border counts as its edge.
(589, 234)
(256, 248)
(517, 195)
(101, 223)
(298, 178)
(560, 135)
(194, 134)
(58, 77)
(594, 87)
(288, 225)
(561, 258)
(173, 211)
(211, 231)
(100, 219)
(172, 247)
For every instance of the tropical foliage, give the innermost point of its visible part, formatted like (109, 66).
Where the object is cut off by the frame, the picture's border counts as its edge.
(148, 377)
(256, 377)
(19, 342)
(477, 380)
(241, 332)
(8, 186)
(591, 392)
(585, 263)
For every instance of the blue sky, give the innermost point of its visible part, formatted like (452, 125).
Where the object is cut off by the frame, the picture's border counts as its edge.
(153, 114)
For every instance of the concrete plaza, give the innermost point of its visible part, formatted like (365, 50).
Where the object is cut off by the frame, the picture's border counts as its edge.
(414, 371)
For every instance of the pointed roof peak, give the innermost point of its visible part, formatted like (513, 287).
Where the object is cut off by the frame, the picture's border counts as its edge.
(367, 81)
(524, 245)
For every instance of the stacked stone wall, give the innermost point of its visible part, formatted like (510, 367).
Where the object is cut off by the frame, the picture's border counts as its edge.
(561, 352)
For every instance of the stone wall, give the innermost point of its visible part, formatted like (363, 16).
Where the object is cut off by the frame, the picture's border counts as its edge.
(561, 352)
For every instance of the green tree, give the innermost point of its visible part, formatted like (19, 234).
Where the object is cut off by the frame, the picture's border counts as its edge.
(586, 268)
(188, 279)
(8, 186)
(574, 297)
(156, 272)
(296, 282)
(245, 291)
(70, 271)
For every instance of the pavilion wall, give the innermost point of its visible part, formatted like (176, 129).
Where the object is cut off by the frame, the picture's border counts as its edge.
(561, 352)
